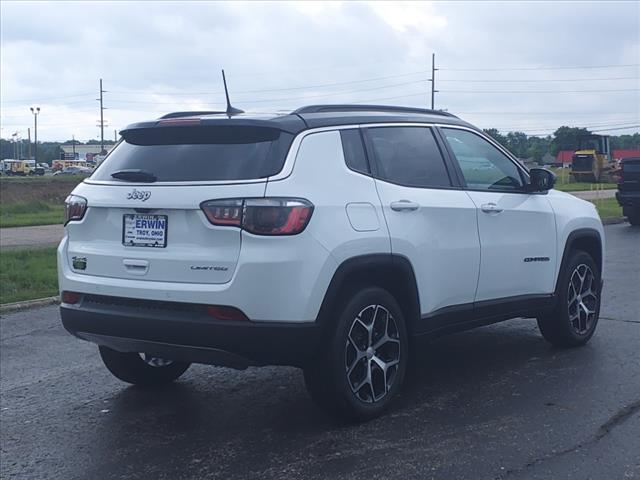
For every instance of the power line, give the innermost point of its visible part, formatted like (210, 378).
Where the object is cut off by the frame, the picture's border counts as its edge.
(542, 91)
(302, 97)
(541, 80)
(609, 129)
(32, 100)
(503, 69)
(546, 113)
(547, 126)
(538, 134)
(321, 85)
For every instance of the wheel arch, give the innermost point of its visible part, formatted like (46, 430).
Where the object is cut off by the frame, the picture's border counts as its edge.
(585, 239)
(392, 272)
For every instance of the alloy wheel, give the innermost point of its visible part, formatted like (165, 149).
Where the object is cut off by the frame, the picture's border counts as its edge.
(582, 298)
(155, 361)
(372, 353)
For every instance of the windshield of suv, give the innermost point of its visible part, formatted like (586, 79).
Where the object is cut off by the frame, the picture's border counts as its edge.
(185, 154)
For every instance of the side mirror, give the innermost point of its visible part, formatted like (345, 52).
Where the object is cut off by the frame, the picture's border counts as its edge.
(541, 180)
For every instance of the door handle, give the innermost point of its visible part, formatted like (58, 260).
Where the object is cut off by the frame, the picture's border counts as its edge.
(491, 208)
(136, 267)
(404, 205)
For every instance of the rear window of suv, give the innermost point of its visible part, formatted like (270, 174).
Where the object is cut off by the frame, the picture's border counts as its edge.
(199, 153)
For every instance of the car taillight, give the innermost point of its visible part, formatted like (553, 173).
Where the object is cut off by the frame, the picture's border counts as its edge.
(70, 297)
(261, 216)
(74, 208)
(224, 212)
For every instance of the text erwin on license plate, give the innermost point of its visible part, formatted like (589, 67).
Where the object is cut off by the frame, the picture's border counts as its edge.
(144, 230)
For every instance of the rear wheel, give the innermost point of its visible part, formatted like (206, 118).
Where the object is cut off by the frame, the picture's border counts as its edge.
(363, 363)
(573, 321)
(140, 368)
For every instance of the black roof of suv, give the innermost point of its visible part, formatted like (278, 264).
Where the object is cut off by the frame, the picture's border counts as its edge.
(312, 116)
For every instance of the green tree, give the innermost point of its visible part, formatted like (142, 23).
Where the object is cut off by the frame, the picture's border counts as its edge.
(567, 138)
(626, 142)
(496, 135)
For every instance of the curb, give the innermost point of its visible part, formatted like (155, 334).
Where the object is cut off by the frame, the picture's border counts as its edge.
(613, 221)
(28, 304)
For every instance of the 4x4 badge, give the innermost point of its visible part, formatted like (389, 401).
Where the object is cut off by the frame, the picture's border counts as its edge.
(138, 195)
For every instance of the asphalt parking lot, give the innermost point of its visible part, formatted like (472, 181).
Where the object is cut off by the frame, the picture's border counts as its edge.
(496, 402)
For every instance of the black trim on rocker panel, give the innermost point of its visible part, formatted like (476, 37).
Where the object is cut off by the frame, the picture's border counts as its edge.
(458, 318)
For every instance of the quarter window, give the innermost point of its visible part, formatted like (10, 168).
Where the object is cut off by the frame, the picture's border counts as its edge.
(483, 166)
(353, 149)
(408, 156)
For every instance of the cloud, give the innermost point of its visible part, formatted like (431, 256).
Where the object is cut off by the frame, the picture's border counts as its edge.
(156, 57)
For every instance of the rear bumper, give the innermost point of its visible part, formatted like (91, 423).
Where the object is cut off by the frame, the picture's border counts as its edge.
(628, 199)
(191, 335)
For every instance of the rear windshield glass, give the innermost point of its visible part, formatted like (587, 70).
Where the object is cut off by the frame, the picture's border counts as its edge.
(185, 154)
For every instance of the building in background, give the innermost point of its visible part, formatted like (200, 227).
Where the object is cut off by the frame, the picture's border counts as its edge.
(84, 153)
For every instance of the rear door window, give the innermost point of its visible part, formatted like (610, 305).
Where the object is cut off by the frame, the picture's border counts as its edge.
(203, 153)
(408, 156)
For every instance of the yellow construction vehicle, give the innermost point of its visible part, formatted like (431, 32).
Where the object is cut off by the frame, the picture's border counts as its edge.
(592, 161)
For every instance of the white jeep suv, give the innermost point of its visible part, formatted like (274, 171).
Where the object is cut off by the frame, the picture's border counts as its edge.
(326, 239)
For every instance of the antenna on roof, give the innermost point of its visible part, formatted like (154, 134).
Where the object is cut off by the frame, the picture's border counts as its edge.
(230, 110)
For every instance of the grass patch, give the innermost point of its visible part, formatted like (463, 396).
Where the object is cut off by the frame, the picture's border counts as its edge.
(70, 179)
(579, 186)
(608, 208)
(30, 213)
(566, 183)
(28, 274)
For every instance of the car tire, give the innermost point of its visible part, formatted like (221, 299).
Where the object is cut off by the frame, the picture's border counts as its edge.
(634, 216)
(574, 319)
(141, 369)
(363, 361)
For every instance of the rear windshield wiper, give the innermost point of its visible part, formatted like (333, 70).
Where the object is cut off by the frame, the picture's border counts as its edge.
(135, 175)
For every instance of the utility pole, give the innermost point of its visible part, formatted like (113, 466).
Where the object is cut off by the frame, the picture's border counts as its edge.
(115, 136)
(433, 80)
(35, 112)
(101, 120)
(14, 138)
(73, 141)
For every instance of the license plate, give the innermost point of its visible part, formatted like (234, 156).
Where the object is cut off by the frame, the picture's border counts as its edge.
(144, 230)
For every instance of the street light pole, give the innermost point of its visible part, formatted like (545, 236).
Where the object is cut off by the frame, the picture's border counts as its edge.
(35, 112)
(74, 146)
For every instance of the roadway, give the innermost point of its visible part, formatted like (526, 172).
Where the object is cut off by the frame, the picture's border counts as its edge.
(493, 403)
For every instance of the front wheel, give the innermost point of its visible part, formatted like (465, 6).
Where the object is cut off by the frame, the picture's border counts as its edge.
(573, 321)
(140, 368)
(634, 216)
(364, 360)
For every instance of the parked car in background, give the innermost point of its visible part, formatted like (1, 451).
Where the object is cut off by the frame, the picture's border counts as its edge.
(45, 166)
(74, 171)
(628, 194)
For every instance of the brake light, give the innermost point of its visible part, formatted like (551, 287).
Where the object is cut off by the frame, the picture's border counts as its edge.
(261, 216)
(70, 297)
(224, 212)
(74, 208)
(180, 121)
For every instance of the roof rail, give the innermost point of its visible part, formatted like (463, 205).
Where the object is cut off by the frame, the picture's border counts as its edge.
(368, 108)
(188, 114)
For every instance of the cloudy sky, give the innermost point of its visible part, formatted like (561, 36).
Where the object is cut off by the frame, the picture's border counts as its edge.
(528, 66)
